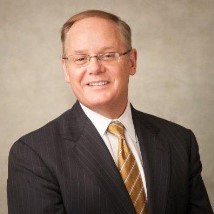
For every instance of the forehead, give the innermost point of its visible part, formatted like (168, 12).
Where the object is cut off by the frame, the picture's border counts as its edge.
(93, 32)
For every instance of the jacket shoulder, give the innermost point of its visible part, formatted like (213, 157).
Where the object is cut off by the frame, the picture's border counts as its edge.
(155, 119)
(50, 133)
(160, 124)
(51, 128)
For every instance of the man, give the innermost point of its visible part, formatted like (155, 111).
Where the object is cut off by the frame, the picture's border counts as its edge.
(102, 155)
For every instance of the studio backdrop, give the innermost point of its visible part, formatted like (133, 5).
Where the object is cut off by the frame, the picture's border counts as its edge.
(174, 80)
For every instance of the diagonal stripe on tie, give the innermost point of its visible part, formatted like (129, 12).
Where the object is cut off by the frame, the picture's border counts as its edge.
(129, 170)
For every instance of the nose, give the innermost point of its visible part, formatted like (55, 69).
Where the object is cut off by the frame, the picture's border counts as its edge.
(94, 66)
(96, 57)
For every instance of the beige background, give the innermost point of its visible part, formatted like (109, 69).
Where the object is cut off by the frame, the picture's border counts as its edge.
(175, 78)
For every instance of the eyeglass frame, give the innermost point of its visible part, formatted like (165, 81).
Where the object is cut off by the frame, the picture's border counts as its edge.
(98, 57)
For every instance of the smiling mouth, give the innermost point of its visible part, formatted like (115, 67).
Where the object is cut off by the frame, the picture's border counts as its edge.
(98, 83)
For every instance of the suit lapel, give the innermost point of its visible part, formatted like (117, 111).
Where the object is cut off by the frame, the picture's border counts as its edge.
(93, 156)
(155, 154)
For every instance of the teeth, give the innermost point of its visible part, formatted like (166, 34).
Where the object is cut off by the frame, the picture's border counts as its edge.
(97, 83)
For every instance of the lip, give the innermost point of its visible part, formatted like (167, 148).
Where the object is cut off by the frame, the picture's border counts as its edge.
(98, 83)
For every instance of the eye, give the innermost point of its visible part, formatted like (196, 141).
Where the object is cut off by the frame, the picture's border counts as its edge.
(80, 59)
(108, 56)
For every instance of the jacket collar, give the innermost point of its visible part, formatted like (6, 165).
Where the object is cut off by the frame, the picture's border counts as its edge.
(93, 156)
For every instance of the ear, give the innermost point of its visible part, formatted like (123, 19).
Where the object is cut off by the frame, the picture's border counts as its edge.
(65, 71)
(133, 61)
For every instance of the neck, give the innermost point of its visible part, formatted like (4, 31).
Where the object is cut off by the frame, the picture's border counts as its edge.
(110, 111)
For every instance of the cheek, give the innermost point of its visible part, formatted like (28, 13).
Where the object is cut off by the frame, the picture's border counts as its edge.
(76, 84)
(76, 77)
(122, 76)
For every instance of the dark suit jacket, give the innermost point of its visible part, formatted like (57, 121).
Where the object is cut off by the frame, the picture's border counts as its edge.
(65, 167)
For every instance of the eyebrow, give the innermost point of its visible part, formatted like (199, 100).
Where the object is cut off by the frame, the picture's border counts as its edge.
(103, 49)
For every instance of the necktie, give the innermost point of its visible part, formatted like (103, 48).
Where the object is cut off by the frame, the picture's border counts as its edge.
(129, 170)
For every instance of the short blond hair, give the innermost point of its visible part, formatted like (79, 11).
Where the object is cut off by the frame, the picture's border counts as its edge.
(124, 28)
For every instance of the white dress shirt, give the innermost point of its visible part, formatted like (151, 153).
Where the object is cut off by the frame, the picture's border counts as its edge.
(101, 123)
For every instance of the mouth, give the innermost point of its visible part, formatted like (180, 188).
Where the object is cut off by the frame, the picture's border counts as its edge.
(98, 83)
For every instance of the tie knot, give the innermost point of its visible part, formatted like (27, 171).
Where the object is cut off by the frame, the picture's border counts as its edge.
(117, 129)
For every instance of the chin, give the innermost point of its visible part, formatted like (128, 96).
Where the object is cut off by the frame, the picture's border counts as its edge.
(98, 103)
(99, 100)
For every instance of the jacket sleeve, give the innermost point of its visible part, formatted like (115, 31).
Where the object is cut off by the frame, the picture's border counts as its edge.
(31, 187)
(198, 199)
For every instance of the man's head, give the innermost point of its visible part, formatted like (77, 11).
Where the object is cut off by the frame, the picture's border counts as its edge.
(98, 61)
(123, 27)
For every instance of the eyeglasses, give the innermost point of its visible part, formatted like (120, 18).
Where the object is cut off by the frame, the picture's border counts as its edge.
(84, 59)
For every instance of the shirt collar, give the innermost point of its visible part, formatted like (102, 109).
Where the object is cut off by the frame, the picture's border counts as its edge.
(126, 120)
(101, 123)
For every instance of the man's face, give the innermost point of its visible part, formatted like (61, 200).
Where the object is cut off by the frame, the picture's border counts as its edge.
(99, 86)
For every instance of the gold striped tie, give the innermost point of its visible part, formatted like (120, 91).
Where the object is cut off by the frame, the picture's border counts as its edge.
(129, 170)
